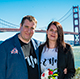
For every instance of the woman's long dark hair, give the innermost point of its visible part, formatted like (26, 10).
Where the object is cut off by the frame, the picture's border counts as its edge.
(60, 40)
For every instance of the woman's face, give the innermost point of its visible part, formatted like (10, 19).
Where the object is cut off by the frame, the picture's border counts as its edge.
(52, 33)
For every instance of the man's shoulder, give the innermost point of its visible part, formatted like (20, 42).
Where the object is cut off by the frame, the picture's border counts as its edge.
(37, 42)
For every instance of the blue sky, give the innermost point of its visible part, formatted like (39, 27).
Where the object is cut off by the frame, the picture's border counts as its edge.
(43, 10)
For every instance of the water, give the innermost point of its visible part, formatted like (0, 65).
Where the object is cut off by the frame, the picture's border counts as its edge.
(76, 51)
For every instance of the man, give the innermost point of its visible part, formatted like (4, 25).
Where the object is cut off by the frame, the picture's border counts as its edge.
(19, 54)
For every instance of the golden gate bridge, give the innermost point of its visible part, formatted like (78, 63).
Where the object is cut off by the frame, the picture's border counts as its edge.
(9, 27)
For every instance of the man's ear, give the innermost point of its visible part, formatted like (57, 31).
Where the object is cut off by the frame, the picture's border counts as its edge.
(20, 25)
(46, 32)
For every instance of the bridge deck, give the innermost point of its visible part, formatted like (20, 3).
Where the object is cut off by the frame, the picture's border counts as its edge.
(42, 31)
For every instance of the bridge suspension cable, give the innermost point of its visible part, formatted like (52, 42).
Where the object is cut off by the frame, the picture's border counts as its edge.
(65, 16)
(6, 23)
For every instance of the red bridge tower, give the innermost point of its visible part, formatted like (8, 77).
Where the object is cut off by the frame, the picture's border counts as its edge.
(76, 25)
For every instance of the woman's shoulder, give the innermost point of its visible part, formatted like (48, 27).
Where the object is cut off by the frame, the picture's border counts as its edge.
(68, 46)
(42, 45)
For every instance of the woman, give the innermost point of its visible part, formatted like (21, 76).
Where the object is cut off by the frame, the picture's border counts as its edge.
(55, 53)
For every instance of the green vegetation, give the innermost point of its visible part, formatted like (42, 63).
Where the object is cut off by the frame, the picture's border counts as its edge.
(77, 74)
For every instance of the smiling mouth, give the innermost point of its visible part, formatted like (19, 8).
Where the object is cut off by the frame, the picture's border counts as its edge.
(52, 36)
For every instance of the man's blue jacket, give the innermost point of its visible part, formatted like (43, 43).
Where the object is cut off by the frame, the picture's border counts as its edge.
(12, 60)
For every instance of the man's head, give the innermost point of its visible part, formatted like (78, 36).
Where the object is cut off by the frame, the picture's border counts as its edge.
(27, 28)
(30, 18)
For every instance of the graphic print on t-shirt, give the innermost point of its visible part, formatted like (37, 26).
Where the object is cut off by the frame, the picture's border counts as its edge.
(51, 61)
(31, 61)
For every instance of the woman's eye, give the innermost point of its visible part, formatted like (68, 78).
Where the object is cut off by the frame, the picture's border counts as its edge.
(26, 26)
(51, 30)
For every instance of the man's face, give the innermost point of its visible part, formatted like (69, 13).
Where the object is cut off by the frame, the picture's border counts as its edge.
(27, 30)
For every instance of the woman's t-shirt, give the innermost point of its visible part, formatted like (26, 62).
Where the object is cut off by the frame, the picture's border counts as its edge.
(48, 59)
